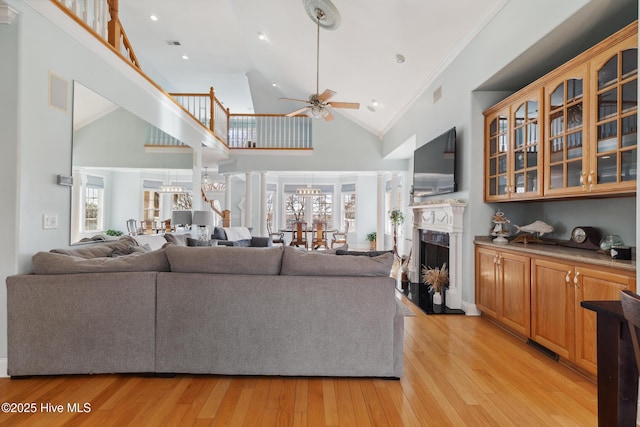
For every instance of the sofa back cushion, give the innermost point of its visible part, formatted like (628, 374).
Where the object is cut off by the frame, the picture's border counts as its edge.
(103, 249)
(53, 263)
(225, 260)
(301, 263)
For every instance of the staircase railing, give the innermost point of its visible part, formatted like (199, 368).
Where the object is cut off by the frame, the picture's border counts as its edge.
(101, 17)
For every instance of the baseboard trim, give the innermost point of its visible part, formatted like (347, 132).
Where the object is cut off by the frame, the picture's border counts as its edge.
(470, 309)
(4, 366)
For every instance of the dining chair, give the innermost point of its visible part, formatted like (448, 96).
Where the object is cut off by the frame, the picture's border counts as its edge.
(340, 237)
(276, 237)
(298, 234)
(631, 309)
(319, 235)
(132, 227)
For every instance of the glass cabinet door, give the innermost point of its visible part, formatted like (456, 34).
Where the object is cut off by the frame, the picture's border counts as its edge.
(614, 158)
(526, 147)
(565, 154)
(496, 185)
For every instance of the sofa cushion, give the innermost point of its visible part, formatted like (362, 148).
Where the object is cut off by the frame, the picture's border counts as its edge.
(105, 249)
(300, 263)
(154, 240)
(361, 253)
(225, 260)
(53, 263)
(177, 239)
(199, 242)
(219, 234)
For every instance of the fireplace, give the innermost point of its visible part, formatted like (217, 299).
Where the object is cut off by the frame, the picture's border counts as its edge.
(437, 238)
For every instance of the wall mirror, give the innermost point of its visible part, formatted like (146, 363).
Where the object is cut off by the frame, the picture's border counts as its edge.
(117, 172)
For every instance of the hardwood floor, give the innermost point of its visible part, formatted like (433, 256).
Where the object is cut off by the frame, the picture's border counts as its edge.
(458, 371)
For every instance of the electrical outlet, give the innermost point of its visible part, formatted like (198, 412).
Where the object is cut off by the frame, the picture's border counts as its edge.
(49, 221)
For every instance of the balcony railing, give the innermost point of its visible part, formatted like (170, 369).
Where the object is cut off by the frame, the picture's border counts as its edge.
(236, 131)
(273, 131)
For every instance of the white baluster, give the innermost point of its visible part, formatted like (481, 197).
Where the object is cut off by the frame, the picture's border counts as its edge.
(85, 13)
(96, 16)
(75, 7)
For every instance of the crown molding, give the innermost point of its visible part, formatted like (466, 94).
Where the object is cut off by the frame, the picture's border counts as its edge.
(7, 13)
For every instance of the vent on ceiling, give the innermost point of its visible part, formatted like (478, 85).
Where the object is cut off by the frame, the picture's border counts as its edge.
(173, 43)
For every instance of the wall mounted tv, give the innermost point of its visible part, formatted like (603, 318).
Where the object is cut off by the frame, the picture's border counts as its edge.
(434, 166)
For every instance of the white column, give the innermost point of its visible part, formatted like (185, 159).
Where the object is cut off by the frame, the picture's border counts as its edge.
(198, 203)
(263, 204)
(227, 192)
(394, 191)
(248, 196)
(380, 217)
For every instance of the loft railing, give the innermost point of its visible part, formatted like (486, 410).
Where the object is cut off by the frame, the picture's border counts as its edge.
(272, 131)
(260, 131)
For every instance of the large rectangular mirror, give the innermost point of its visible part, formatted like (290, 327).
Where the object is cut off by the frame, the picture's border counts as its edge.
(119, 168)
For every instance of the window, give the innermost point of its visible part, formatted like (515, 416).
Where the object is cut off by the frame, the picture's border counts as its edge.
(93, 203)
(151, 208)
(271, 200)
(294, 208)
(323, 208)
(389, 202)
(349, 211)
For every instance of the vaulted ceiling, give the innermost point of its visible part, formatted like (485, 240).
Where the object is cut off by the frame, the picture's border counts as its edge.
(358, 60)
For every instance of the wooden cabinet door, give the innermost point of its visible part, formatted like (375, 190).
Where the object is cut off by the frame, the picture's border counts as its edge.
(594, 285)
(487, 281)
(566, 128)
(614, 119)
(552, 305)
(496, 152)
(525, 156)
(515, 292)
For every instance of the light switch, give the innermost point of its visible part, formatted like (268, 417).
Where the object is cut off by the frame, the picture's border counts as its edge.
(49, 221)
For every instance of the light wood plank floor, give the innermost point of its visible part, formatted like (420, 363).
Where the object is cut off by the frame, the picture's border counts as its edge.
(458, 371)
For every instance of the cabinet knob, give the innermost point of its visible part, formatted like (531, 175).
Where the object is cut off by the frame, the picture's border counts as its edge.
(567, 278)
(590, 180)
(575, 279)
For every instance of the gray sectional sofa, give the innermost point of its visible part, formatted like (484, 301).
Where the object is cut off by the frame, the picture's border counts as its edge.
(206, 310)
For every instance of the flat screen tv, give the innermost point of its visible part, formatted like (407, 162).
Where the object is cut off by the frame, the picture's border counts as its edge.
(434, 166)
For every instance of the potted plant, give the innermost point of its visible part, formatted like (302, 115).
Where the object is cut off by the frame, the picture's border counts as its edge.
(371, 237)
(397, 218)
(437, 279)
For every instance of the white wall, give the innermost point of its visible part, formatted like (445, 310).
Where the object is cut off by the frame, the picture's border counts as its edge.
(9, 184)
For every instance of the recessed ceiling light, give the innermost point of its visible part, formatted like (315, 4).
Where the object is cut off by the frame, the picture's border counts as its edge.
(374, 102)
(185, 57)
(153, 18)
(262, 36)
(400, 59)
(274, 84)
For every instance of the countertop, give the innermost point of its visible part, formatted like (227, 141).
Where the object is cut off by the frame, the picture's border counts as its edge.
(553, 249)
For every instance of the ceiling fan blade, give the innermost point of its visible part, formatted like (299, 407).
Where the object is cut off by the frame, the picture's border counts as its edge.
(353, 105)
(327, 94)
(293, 99)
(328, 117)
(295, 113)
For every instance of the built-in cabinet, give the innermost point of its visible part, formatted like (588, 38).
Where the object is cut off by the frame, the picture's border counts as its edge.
(572, 133)
(503, 288)
(539, 298)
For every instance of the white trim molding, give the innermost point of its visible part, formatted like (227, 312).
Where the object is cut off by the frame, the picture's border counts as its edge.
(4, 367)
(7, 13)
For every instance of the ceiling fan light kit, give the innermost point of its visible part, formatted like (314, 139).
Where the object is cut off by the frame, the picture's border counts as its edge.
(325, 15)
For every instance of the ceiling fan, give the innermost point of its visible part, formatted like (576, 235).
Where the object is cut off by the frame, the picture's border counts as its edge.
(324, 13)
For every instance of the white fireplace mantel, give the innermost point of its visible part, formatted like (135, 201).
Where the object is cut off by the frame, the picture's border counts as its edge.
(444, 216)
